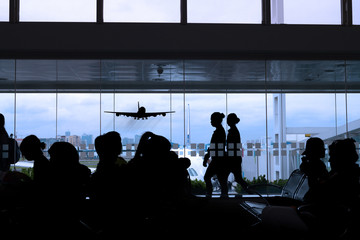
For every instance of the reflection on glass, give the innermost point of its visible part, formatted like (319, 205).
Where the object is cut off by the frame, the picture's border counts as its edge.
(58, 10)
(226, 11)
(142, 11)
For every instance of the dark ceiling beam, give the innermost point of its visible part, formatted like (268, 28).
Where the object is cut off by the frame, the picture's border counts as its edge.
(178, 41)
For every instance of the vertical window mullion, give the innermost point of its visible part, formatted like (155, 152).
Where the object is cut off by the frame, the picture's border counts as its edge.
(14, 9)
(266, 12)
(100, 11)
(183, 12)
(346, 13)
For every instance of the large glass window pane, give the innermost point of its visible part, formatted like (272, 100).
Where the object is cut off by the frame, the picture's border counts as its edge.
(7, 96)
(311, 11)
(130, 128)
(356, 11)
(36, 114)
(4, 10)
(58, 10)
(78, 119)
(107, 120)
(226, 11)
(8, 111)
(142, 11)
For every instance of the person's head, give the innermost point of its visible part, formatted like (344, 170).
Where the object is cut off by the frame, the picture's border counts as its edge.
(157, 145)
(342, 154)
(31, 147)
(232, 119)
(315, 148)
(63, 154)
(2, 120)
(109, 145)
(216, 119)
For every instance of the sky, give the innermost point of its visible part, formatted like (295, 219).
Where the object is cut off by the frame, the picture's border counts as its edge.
(47, 114)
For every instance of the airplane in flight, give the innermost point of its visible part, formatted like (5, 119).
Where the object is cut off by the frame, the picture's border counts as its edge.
(140, 114)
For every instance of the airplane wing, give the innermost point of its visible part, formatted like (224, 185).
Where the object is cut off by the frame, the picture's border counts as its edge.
(154, 114)
(127, 114)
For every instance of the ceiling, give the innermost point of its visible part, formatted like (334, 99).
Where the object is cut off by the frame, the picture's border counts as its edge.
(179, 75)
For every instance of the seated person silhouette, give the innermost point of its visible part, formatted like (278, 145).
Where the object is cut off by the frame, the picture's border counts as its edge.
(32, 149)
(332, 205)
(216, 151)
(109, 174)
(312, 165)
(68, 177)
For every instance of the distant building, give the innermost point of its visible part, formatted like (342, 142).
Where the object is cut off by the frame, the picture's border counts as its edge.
(87, 138)
(127, 141)
(75, 140)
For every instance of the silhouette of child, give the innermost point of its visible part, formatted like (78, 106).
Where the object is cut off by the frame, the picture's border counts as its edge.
(216, 152)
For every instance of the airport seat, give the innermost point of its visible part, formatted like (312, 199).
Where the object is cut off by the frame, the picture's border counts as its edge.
(293, 191)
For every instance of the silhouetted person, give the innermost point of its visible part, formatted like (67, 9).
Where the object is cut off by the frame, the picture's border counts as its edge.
(68, 177)
(217, 153)
(332, 205)
(312, 165)
(234, 154)
(69, 187)
(107, 178)
(152, 164)
(9, 150)
(342, 186)
(32, 149)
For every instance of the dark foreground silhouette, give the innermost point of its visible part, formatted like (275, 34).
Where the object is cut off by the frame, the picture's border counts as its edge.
(150, 196)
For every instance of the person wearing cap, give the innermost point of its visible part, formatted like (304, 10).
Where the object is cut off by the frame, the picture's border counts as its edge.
(312, 165)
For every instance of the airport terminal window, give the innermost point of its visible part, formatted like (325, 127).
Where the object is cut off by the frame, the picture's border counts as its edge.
(108, 121)
(36, 114)
(4, 10)
(58, 10)
(312, 12)
(356, 12)
(275, 121)
(78, 114)
(226, 11)
(130, 128)
(142, 11)
(8, 111)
